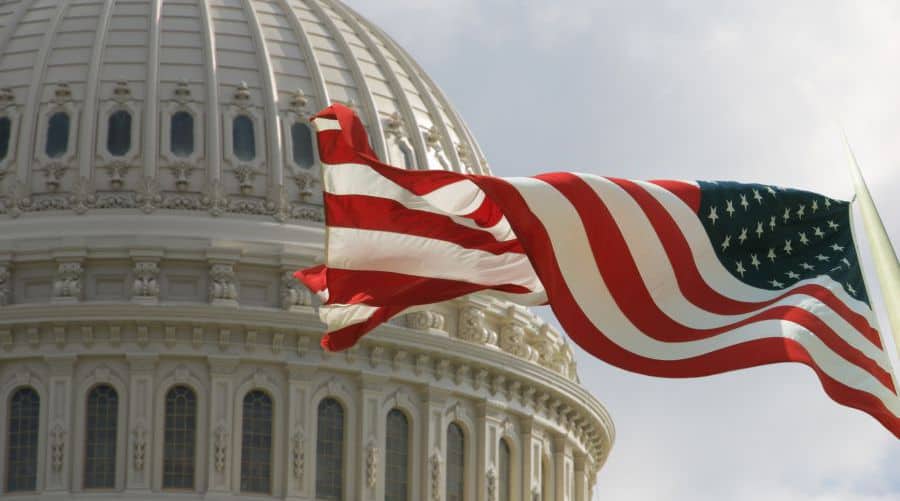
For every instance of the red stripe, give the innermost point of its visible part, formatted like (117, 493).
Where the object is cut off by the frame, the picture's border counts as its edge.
(687, 192)
(697, 291)
(383, 288)
(536, 242)
(620, 273)
(382, 214)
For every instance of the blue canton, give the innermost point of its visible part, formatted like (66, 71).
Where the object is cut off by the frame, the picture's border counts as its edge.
(772, 238)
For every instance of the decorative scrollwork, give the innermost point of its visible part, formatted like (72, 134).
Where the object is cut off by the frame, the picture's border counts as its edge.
(140, 446)
(5, 285)
(298, 455)
(57, 446)
(68, 283)
(473, 327)
(220, 443)
(371, 465)
(145, 283)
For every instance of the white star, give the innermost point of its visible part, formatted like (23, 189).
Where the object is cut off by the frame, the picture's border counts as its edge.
(803, 239)
(787, 214)
(727, 242)
(807, 266)
(792, 275)
(754, 261)
(819, 233)
(759, 229)
(771, 255)
(836, 268)
(787, 247)
(712, 215)
(846, 261)
(743, 235)
(823, 258)
(776, 283)
(770, 190)
(851, 289)
(772, 222)
(729, 208)
(801, 211)
(757, 197)
(815, 205)
(741, 269)
(837, 248)
(744, 202)
(827, 203)
(833, 225)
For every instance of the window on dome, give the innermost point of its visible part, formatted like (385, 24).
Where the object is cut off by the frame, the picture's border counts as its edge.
(22, 441)
(396, 486)
(243, 140)
(181, 134)
(456, 456)
(302, 145)
(504, 467)
(330, 451)
(180, 438)
(101, 427)
(256, 443)
(118, 133)
(5, 132)
(57, 135)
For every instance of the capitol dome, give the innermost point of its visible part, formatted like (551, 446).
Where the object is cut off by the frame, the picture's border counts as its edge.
(159, 183)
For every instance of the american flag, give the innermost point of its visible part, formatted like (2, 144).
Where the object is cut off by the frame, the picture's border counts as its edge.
(665, 278)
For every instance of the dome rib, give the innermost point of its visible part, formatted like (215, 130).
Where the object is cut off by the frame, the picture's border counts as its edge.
(368, 103)
(87, 127)
(10, 28)
(427, 97)
(401, 97)
(321, 96)
(151, 98)
(274, 160)
(29, 117)
(213, 151)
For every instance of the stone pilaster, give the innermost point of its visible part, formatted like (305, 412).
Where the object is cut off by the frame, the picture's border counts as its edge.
(488, 433)
(582, 478)
(139, 459)
(301, 444)
(221, 409)
(434, 444)
(371, 433)
(59, 452)
(562, 468)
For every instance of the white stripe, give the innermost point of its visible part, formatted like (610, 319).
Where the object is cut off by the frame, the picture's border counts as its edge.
(323, 124)
(657, 273)
(576, 261)
(718, 277)
(358, 249)
(457, 199)
(338, 316)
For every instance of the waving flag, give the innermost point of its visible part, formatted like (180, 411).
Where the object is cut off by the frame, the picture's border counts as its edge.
(665, 278)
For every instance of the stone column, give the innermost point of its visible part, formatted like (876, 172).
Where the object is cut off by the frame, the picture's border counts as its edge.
(488, 432)
(59, 422)
(139, 459)
(582, 480)
(434, 444)
(531, 461)
(297, 453)
(562, 468)
(221, 399)
(371, 433)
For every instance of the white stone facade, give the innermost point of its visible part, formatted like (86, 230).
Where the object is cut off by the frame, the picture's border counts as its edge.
(131, 261)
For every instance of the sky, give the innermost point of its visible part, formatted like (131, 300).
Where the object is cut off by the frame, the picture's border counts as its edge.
(747, 91)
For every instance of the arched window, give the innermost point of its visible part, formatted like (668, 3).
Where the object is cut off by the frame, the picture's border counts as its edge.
(330, 451)
(181, 134)
(22, 441)
(243, 140)
(118, 133)
(302, 145)
(57, 135)
(503, 464)
(5, 133)
(256, 443)
(456, 457)
(396, 484)
(101, 426)
(180, 438)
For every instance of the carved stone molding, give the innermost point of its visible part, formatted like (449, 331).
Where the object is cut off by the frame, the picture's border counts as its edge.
(5, 284)
(57, 446)
(435, 475)
(67, 284)
(293, 293)
(220, 444)
(425, 320)
(371, 464)
(140, 446)
(146, 287)
(512, 340)
(491, 477)
(298, 454)
(222, 284)
(473, 327)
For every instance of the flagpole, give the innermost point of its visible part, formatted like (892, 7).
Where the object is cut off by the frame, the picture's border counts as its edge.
(886, 267)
